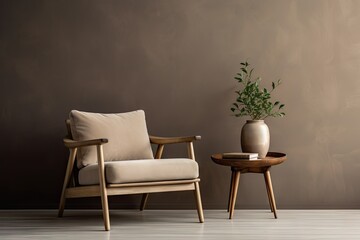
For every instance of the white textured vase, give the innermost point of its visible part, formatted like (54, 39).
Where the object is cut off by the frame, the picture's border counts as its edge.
(255, 137)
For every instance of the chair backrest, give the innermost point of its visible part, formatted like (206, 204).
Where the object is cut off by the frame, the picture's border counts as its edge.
(74, 181)
(126, 132)
(68, 128)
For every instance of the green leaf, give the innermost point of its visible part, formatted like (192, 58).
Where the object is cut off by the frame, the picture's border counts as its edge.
(250, 73)
(251, 99)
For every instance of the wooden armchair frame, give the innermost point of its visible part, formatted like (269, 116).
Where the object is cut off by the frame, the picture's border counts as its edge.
(72, 190)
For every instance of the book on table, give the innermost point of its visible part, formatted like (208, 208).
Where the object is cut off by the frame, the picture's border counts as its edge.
(241, 155)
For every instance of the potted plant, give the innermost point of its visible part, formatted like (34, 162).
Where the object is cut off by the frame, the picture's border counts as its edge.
(255, 102)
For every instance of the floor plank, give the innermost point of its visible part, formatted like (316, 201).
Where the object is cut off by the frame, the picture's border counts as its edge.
(180, 224)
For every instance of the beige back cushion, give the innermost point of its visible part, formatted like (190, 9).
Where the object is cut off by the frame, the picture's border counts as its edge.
(126, 132)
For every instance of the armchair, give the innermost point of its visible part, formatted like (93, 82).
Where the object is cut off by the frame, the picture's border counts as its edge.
(114, 157)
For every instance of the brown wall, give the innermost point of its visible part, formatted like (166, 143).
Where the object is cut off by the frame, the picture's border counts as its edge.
(176, 60)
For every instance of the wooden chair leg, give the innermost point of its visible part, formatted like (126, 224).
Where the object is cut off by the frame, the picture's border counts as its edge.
(198, 202)
(143, 201)
(105, 209)
(103, 191)
(268, 178)
(268, 194)
(231, 189)
(68, 173)
(62, 205)
(234, 190)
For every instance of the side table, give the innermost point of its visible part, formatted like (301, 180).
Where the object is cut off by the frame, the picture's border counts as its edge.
(239, 166)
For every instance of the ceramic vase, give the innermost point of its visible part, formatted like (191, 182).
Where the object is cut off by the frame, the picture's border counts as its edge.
(255, 137)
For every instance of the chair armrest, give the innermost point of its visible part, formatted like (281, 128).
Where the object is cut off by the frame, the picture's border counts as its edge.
(171, 140)
(93, 142)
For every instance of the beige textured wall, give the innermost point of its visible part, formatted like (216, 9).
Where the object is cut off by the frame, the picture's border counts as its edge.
(176, 60)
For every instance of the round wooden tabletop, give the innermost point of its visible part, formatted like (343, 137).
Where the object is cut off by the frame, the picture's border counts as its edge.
(272, 158)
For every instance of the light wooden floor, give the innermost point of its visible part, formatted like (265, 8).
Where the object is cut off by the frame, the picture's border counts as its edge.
(181, 224)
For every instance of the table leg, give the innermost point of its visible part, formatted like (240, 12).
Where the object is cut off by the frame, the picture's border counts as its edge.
(268, 180)
(235, 187)
(268, 194)
(231, 188)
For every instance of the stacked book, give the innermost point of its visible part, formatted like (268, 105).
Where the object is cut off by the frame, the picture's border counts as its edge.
(238, 155)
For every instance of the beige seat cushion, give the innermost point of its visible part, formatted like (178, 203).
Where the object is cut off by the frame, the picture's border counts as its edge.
(126, 132)
(141, 171)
